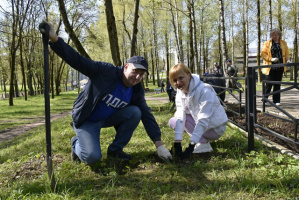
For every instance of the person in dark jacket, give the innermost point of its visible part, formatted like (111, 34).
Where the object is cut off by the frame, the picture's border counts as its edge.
(218, 70)
(231, 71)
(113, 97)
(162, 86)
(170, 92)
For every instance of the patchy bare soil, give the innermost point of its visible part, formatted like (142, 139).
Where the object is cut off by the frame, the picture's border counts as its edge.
(279, 126)
(15, 131)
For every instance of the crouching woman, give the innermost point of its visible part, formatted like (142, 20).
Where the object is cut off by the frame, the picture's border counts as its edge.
(198, 112)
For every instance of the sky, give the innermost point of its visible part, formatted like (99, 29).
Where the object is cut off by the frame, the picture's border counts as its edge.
(3, 3)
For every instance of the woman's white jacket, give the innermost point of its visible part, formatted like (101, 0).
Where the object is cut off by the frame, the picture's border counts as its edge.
(203, 105)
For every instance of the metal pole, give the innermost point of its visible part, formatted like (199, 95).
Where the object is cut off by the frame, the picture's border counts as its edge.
(250, 107)
(47, 106)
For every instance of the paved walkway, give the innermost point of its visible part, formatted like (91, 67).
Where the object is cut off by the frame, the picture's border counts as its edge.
(289, 102)
(160, 99)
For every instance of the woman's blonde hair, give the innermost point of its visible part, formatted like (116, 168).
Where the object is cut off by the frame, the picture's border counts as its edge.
(276, 30)
(177, 69)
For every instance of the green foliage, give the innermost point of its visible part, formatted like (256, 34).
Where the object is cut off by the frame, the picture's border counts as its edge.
(229, 172)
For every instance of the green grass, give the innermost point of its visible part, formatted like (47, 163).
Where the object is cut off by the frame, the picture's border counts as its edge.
(24, 112)
(229, 172)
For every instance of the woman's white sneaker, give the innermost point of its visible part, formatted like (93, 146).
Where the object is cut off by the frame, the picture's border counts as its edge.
(202, 148)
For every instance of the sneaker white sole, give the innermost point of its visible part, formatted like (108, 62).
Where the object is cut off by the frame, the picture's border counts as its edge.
(206, 149)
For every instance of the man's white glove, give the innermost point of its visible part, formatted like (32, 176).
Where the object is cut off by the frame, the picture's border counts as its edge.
(52, 34)
(289, 61)
(274, 60)
(164, 153)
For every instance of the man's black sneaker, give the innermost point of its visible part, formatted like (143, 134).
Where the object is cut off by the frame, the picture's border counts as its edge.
(74, 156)
(120, 154)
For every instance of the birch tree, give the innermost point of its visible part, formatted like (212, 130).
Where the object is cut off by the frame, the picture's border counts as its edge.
(259, 38)
(191, 57)
(197, 66)
(176, 28)
(223, 38)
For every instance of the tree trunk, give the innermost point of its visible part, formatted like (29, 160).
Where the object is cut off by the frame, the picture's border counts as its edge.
(70, 30)
(246, 39)
(206, 52)
(12, 55)
(295, 54)
(201, 45)
(181, 43)
(258, 39)
(16, 85)
(155, 44)
(167, 56)
(31, 44)
(191, 56)
(295, 6)
(153, 64)
(12, 73)
(23, 69)
(52, 74)
(270, 15)
(176, 32)
(145, 53)
(112, 32)
(58, 69)
(58, 77)
(244, 35)
(279, 15)
(221, 61)
(223, 38)
(195, 39)
(232, 27)
(135, 30)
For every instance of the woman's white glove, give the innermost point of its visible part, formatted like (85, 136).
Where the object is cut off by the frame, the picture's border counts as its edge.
(164, 153)
(52, 34)
(274, 60)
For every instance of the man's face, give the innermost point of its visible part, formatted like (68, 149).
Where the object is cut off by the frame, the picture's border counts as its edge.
(132, 75)
(229, 63)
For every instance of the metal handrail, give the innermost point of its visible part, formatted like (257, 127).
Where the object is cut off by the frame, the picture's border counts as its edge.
(251, 108)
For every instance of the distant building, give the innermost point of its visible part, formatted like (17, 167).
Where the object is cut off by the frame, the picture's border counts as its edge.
(252, 60)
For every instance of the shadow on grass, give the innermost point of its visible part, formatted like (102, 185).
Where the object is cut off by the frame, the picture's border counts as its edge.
(148, 176)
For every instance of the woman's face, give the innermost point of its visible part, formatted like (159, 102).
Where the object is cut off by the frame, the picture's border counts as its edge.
(181, 81)
(275, 37)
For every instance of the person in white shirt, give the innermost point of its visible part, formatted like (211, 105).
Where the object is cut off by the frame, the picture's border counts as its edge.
(198, 112)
